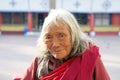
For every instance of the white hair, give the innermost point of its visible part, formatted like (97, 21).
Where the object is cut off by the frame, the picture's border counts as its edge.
(80, 40)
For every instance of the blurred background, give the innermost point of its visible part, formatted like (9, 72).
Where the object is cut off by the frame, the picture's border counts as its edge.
(21, 23)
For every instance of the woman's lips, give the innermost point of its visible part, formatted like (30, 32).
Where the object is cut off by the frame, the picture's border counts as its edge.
(57, 51)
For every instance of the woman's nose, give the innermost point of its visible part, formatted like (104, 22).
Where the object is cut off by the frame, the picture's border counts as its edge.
(55, 43)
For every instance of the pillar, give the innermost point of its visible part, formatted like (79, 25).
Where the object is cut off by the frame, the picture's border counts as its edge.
(29, 23)
(116, 19)
(91, 24)
(0, 19)
(52, 4)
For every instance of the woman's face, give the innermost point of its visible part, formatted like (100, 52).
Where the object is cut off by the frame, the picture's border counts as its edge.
(58, 40)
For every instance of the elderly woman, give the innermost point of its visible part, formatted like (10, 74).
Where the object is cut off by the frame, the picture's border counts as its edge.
(66, 53)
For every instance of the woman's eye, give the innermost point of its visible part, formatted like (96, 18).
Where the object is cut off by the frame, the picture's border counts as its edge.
(61, 35)
(48, 37)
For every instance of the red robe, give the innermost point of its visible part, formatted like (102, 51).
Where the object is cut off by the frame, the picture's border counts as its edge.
(84, 67)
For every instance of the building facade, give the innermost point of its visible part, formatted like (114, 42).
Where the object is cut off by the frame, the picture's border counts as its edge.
(92, 15)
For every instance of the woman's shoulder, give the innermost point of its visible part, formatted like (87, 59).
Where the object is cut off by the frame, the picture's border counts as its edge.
(39, 59)
(92, 50)
(36, 60)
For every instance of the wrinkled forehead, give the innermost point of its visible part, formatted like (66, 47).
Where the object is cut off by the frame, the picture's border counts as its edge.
(57, 24)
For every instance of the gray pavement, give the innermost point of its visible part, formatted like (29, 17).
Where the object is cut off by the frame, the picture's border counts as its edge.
(17, 52)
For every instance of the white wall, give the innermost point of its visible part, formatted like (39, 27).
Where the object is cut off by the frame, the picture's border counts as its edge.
(95, 6)
(83, 6)
(24, 5)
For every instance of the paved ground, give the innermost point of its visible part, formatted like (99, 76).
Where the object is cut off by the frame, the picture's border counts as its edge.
(17, 52)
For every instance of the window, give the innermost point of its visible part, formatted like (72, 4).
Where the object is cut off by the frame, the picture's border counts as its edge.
(14, 18)
(81, 18)
(102, 19)
(6, 18)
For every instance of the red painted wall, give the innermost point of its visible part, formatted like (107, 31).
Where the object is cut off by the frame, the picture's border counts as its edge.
(115, 19)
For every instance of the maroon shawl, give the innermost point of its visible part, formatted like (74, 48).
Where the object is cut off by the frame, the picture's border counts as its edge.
(77, 68)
